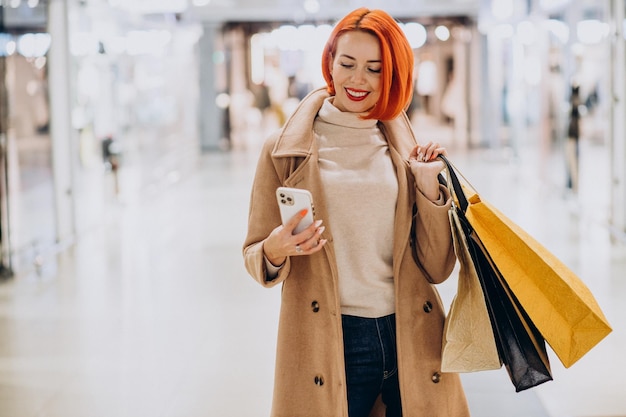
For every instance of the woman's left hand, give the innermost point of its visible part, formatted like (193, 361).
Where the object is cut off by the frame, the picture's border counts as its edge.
(426, 167)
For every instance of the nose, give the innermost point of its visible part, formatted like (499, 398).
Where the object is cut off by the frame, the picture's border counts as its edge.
(358, 76)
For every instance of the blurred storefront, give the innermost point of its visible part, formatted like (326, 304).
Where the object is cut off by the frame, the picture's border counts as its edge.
(110, 100)
(499, 77)
(552, 74)
(134, 83)
(101, 106)
(272, 65)
(25, 145)
(539, 83)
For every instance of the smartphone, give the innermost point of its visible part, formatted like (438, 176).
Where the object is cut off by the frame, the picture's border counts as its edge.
(292, 201)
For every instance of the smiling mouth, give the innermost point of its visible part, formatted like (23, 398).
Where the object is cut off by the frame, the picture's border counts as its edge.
(356, 95)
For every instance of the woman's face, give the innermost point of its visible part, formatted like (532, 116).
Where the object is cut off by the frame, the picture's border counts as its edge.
(356, 72)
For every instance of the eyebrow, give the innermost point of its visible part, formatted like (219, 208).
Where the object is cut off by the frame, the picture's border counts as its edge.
(354, 59)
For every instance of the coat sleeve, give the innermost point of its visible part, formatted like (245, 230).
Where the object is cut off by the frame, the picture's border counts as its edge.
(433, 236)
(263, 217)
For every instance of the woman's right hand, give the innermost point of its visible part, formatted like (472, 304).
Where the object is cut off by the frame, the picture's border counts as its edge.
(282, 243)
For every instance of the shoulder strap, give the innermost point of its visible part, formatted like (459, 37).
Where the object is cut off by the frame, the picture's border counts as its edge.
(456, 190)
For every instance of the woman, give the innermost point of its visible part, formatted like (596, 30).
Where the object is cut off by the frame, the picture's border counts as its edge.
(573, 138)
(360, 322)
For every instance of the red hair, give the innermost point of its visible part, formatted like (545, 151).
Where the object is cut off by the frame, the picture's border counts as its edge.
(396, 57)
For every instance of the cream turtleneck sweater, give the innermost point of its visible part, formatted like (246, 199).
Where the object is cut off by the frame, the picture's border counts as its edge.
(360, 189)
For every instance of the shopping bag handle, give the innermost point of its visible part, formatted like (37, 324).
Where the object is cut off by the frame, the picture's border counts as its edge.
(456, 190)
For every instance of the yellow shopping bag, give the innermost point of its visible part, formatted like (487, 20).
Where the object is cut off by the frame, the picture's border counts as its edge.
(556, 300)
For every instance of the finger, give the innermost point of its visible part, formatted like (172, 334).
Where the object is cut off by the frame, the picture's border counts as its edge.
(422, 153)
(315, 247)
(436, 151)
(310, 245)
(429, 153)
(309, 232)
(315, 240)
(295, 220)
(308, 248)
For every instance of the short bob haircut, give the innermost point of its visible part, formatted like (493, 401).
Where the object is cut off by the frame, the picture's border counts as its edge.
(396, 56)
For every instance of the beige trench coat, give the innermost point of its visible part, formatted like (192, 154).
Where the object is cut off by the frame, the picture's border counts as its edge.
(310, 375)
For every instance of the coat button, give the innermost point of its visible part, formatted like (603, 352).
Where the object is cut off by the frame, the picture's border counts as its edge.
(436, 377)
(428, 306)
(315, 306)
(319, 381)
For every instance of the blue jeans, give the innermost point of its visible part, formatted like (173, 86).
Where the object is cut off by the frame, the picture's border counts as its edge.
(371, 364)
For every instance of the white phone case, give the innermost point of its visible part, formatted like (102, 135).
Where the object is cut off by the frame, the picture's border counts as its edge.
(292, 201)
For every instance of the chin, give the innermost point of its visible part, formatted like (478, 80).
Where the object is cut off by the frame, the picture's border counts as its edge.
(347, 105)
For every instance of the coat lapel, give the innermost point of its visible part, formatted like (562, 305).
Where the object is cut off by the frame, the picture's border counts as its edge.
(297, 143)
(401, 140)
(297, 147)
(297, 136)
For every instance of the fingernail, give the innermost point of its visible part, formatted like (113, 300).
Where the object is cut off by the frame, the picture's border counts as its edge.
(303, 212)
(321, 230)
(318, 223)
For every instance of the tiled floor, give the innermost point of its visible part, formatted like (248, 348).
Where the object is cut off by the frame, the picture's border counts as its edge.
(153, 315)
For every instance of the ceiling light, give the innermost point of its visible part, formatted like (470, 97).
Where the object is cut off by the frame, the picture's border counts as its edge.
(311, 6)
(416, 34)
(502, 9)
(442, 33)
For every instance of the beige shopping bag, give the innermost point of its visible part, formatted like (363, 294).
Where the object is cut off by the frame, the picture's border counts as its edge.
(468, 341)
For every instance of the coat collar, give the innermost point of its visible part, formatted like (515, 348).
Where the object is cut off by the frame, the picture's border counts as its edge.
(296, 137)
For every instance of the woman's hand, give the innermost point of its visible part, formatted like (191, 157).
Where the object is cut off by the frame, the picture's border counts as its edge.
(282, 242)
(426, 167)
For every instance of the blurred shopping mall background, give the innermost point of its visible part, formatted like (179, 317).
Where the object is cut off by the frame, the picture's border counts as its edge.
(106, 105)
(94, 90)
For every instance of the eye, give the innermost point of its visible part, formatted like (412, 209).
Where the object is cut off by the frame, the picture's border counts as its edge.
(346, 65)
(374, 70)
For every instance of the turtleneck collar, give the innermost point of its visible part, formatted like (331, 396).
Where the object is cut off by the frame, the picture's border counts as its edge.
(330, 114)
